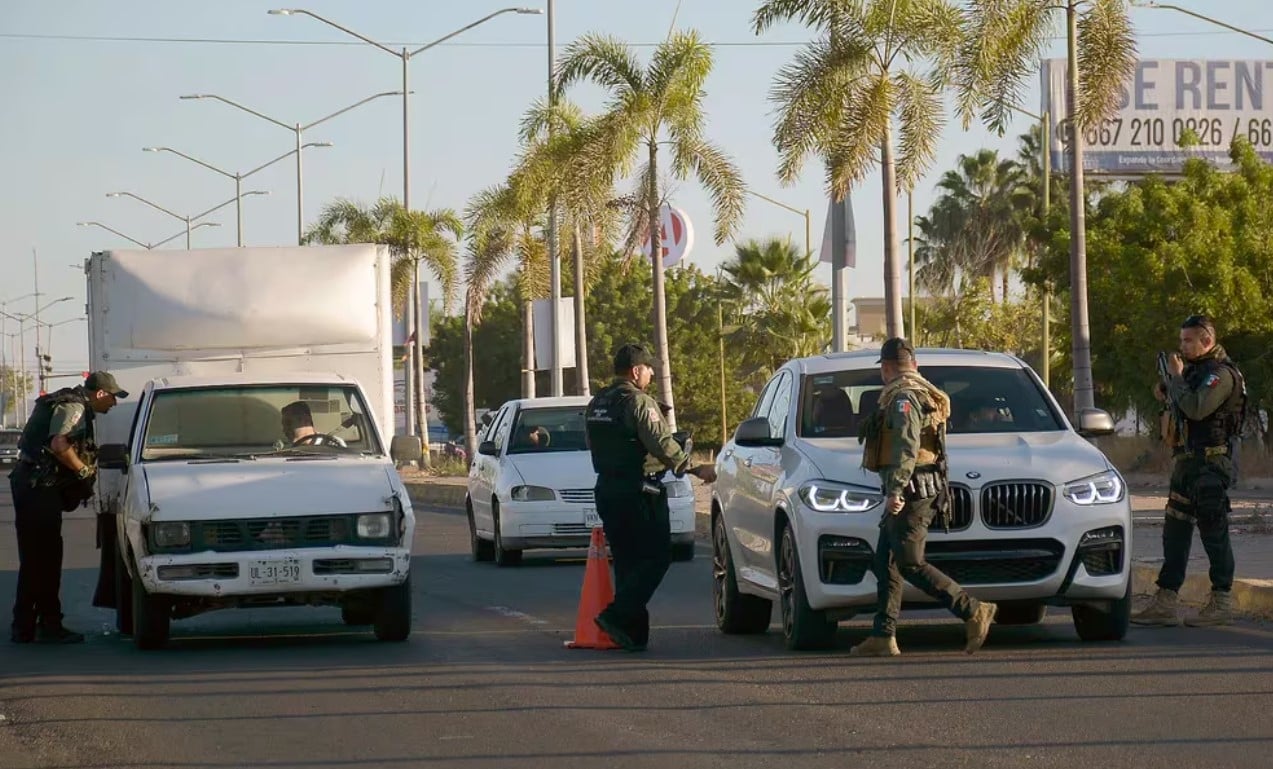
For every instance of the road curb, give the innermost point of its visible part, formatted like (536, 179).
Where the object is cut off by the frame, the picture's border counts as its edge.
(436, 494)
(1252, 597)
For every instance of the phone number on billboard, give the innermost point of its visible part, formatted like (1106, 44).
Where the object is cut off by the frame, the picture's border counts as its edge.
(1169, 133)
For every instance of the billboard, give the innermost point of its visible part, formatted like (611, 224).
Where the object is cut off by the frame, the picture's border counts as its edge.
(1164, 101)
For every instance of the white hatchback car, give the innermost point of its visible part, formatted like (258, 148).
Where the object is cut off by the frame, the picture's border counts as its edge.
(531, 484)
(1040, 515)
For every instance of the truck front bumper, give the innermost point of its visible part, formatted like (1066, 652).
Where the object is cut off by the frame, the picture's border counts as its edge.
(274, 572)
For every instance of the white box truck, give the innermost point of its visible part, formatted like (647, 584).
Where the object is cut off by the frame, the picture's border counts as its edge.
(220, 493)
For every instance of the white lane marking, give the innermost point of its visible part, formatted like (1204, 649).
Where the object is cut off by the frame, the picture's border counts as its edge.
(504, 611)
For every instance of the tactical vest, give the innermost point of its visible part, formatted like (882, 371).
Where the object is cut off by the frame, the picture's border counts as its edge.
(35, 435)
(612, 437)
(1226, 421)
(879, 449)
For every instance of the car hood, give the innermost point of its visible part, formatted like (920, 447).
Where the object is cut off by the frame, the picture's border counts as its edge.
(266, 488)
(556, 470)
(1056, 457)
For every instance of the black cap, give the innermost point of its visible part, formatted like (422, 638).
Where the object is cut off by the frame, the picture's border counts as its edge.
(103, 380)
(896, 349)
(630, 356)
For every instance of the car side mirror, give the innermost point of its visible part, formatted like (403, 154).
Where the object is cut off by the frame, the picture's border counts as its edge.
(755, 432)
(406, 448)
(1094, 423)
(488, 448)
(113, 456)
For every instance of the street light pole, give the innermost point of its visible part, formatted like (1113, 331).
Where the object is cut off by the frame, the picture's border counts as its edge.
(146, 246)
(415, 373)
(238, 177)
(298, 129)
(188, 220)
(808, 220)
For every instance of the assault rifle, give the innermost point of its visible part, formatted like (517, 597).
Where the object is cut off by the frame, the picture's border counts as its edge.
(1173, 429)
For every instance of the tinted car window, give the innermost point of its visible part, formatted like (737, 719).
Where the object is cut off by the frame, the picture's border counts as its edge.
(983, 400)
(780, 407)
(9, 437)
(548, 429)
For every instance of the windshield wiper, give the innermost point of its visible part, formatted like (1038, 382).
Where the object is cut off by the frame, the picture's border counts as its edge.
(193, 456)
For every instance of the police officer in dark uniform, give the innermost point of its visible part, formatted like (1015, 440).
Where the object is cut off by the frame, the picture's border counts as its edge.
(632, 447)
(906, 445)
(1207, 400)
(55, 474)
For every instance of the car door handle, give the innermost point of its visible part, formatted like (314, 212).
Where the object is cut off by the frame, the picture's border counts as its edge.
(747, 462)
(727, 454)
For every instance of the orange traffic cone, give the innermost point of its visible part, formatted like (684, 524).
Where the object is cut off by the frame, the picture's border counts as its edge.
(598, 592)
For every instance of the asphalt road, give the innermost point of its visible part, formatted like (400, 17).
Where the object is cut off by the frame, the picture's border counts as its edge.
(485, 681)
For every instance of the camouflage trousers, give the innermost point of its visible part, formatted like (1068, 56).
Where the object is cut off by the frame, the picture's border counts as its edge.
(1199, 497)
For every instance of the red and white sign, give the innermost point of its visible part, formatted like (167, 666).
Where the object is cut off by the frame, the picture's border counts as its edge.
(677, 236)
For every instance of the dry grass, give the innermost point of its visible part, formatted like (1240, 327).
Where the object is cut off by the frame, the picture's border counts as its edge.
(1141, 454)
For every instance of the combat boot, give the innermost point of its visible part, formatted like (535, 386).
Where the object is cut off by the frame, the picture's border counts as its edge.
(978, 625)
(1162, 611)
(876, 646)
(1217, 611)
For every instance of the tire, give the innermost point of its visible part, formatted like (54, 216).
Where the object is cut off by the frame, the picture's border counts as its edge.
(393, 616)
(802, 628)
(1094, 624)
(152, 617)
(481, 549)
(357, 615)
(123, 597)
(1020, 614)
(503, 558)
(736, 613)
(683, 551)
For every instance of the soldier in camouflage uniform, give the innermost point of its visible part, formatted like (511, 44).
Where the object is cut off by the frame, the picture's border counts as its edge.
(1207, 398)
(907, 447)
(55, 473)
(632, 446)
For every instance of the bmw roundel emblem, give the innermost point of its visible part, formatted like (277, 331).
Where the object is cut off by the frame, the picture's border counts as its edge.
(974, 475)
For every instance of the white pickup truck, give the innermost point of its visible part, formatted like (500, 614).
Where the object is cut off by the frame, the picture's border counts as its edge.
(214, 505)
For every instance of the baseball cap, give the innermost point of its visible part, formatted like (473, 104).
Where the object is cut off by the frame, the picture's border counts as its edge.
(896, 349)
(103, 380)
(630, 356)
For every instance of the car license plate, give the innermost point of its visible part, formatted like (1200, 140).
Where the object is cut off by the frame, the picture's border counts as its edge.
(590, 517)
(283, 572)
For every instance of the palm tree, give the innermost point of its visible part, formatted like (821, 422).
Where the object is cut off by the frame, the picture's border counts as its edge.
(502, 230)
(550, 175)
(991, 200)
(430, 237)
(649, 107)
(879, 66)
(414, 238)
(785, 313)
(1003, 41)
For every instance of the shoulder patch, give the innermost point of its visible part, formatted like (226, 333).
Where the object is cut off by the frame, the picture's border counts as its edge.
(903, 405)
(655, 414)
(1212, 380)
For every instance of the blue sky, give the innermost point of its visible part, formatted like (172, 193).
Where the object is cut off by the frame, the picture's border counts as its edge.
(79, 111)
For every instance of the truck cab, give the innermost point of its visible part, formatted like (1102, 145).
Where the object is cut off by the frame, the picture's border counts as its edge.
(223, 506)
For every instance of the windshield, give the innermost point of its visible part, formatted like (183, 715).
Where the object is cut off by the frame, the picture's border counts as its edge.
(255, 420)
(982, 400)
(541, 430)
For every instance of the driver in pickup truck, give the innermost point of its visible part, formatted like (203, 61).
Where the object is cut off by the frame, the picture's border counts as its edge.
(298, 426)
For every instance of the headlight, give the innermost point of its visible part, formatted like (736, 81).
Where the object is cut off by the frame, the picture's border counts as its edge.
(826, 497)
(679, 489)
(1100, 489)
(168, 535)
(532, 494)
(375, 526)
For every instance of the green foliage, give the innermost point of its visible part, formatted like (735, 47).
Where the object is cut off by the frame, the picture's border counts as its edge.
(14, 384)
(618, 308)
(779, 311)
(971, 319)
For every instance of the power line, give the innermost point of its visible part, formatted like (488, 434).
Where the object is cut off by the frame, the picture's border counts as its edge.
(267, 41)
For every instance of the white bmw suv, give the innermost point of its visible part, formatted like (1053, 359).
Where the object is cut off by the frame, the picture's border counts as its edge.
(1040, 515)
